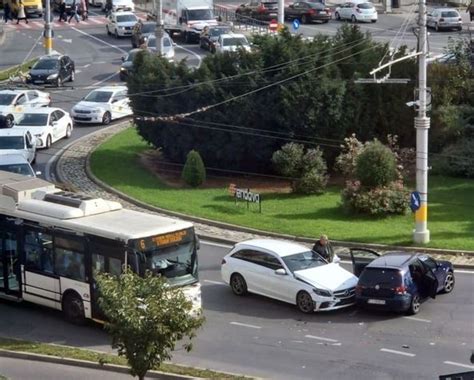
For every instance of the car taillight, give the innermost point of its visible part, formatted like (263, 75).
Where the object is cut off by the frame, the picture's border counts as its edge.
(441, 19)
(312, 11)
(223, 262)
(400, 290)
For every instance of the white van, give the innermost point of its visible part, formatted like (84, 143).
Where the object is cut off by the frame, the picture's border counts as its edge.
(17, 141)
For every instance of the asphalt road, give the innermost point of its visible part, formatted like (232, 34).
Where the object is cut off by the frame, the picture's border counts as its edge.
(262, 337)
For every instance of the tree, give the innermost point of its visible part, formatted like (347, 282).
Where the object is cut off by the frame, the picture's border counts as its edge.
(146, 317)
(194, 171)
(376, 165)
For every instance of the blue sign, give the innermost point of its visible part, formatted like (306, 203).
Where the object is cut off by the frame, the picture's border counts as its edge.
(415, 201)
(296, 24)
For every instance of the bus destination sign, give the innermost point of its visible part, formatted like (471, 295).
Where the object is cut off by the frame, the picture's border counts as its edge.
(165, 239)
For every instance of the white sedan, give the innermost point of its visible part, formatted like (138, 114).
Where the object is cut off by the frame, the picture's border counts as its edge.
(102, 106)
(288, 272)
(48, 125)
(232, 42)
(121, 24)
(356, 11)
(13, 102)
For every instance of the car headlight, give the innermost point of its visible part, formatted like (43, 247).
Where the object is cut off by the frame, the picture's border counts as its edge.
(52, 76)
(120, 27)
(123, 69)
(95, 111)
(322, 292)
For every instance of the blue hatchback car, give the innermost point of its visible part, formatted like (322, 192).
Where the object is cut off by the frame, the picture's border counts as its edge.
(399, 281)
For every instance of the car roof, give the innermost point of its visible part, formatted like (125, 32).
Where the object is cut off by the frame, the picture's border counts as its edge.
(41, 109)
(281, 248)
(14, 92)
(153, 36)
(233, 35)
(396, 260)
(117, 13)
(13, 131)
(111, 88)
(52, 56)
(8, 159)
(444, 9)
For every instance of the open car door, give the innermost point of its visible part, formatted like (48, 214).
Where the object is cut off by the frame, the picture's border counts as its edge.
(361, 257)
(430, 282)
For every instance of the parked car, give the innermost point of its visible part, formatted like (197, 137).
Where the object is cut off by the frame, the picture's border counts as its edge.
(232, 42)
(356, 12)
(117, 5)
(444, 18)
(68, 4)
(127, 66)
(120, 24)
(102, 105)
(16, 163)
(97, 3)
(288, 272)
(18, 141)
(308, 12)
(260, 10)
(13, 102)
(141, 32)
(399, 281)
(48, 125)
(208, 41)
(52, 69)
(168, 46)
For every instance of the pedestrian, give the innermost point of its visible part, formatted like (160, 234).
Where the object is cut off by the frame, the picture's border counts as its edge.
(84, 10)
(108, 7)
(323, 248)
(7, 12)
(74, 11)
(21, 13)
(62, 11)
(470, 9)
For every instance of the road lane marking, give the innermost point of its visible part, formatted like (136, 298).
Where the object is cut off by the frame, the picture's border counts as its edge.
(215, 282)
(96, 84)
(193, 53)
(321, 338)
(460, 365)
(397, 352)
(216, 244)
(245, 325)
(99, 40)
(418, 319)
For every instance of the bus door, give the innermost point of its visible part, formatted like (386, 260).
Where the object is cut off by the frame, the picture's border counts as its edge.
(10, 277)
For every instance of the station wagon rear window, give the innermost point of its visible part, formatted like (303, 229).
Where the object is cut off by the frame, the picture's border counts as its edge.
(450, 14)
(389, 278)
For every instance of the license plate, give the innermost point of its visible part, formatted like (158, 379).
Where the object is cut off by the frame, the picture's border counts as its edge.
(39, 81)
(376, 302)
(322, 13)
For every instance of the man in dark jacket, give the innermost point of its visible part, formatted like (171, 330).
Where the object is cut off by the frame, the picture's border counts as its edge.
(324, 248)
(62, 11)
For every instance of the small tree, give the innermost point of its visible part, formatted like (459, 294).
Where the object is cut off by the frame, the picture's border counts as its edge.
(146, 317)
(194, 171)
(346, 161)
(376, 165)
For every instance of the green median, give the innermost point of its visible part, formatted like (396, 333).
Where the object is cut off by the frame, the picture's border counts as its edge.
(103, 358)
(450, 218)
(14, 70)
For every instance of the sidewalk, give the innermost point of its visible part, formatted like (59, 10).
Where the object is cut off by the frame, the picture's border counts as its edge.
(73, 171)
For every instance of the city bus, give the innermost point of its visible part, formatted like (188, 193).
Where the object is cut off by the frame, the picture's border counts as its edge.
(53, 243)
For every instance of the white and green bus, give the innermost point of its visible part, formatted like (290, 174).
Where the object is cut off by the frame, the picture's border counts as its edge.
(53, 243)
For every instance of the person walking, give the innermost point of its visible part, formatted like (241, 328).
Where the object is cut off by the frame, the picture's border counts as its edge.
(7, 14)
(74, 12)
(21, 13)
(323, 248)
(470, 9)
(84, 10)
(62, 11)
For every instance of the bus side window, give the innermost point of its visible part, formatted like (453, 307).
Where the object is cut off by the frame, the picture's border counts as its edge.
(115, 266)
(69, 258)
(38, 250)
(98, 264)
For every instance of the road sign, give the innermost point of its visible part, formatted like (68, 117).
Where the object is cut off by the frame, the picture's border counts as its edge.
(296, 24)
(273, 25)
(415, 201)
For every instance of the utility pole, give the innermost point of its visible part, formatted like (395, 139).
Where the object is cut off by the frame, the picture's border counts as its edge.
(159, 27)
(281, 12)
(48, 31)
(421, 234)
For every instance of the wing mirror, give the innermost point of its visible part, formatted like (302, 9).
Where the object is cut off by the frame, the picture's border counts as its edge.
(336, 259)
(281, 272)
(123, 59)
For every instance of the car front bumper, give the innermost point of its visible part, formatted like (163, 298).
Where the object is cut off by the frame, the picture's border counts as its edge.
(92, 118)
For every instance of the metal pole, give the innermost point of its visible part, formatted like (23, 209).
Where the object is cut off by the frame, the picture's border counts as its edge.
(48, 31)
(281, 12)
(421, 234)
(159, 27)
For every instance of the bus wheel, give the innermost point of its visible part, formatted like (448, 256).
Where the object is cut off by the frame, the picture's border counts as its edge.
(73, 309)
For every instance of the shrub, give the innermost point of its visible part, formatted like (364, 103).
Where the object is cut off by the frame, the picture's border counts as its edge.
(307, 169)
(376, 165)
(346, 161)
(194, 171)
(456, 160)
(391, 199)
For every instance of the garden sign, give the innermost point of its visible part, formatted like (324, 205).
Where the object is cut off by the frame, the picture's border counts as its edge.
(241, 194)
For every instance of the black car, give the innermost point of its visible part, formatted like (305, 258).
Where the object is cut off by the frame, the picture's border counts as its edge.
(259, 10)
(208, 40)
(67, 3)
(307, 12)
(141, 31)
(399, 281)
(52, 69)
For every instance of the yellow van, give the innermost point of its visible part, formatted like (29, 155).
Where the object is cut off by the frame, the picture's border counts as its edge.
(32, 7)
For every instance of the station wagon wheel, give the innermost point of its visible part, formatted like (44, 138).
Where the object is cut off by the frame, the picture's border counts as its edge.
(68, 131)
(73, 76)
(304, 302)
(414, 305)
(48, 142)
(59, 82)
(449, 283)
(106, 118)
(238, 284)
(10, 120)
(73, 309)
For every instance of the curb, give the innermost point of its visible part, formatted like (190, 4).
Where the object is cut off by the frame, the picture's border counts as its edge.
(88, 364)
(301, 239)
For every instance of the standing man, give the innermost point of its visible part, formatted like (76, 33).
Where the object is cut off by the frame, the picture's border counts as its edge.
(74, 12)
(21, 13)
(470, 9)
(62, 11)
(324, 248)
(7, 12)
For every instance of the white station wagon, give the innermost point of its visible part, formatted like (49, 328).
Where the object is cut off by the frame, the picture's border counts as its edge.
(288, 272)
(13, 102)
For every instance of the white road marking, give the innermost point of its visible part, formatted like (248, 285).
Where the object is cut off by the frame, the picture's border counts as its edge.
(464, 271)
(215, 282)
(460, 365)
(397, 352)
(216, 244)
(96, 21)
(245, 325)
(418, 319)
(193, 53)
(99, 40)
(96, 84)
(321, 338)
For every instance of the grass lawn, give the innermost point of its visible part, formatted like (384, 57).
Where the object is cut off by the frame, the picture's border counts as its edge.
(93, 356)
(450, 218)
(5, 74)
